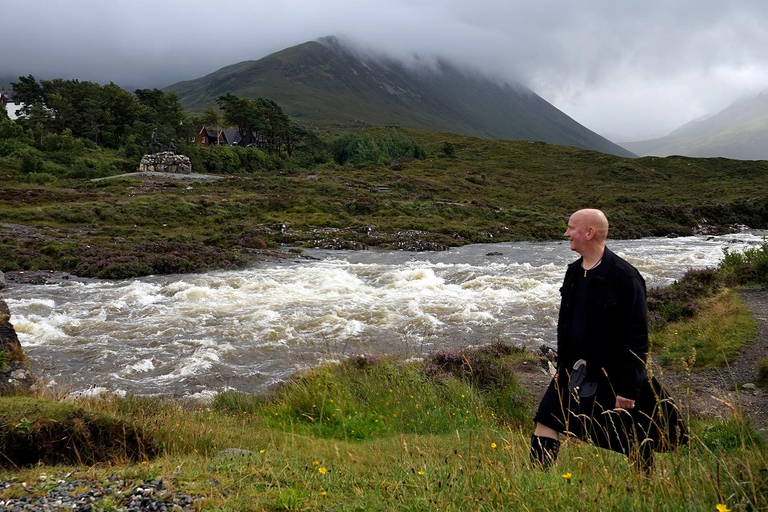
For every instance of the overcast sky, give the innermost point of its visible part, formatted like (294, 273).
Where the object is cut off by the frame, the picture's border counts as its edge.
(628, 70)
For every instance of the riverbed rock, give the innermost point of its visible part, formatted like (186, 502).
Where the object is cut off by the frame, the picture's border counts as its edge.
(3, 284)
(166, 161)
(15, 377)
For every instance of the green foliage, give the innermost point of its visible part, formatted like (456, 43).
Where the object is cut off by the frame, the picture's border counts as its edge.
(751, 266)
(725, 437)
(381, 147)
(448, 149)
(680, 300)
(40, 178)
(17, 149)
(367, 397)
(63, 148)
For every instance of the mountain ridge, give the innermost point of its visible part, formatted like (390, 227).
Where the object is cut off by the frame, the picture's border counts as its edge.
(740, 131)
(325, 83)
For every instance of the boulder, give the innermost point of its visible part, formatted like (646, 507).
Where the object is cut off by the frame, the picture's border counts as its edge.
(165, 161)
(3, 283)
(15, 377)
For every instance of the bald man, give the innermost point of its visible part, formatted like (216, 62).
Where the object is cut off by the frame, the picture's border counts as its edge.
(601, 392)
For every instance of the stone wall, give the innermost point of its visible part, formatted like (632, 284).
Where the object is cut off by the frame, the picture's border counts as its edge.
(165, 161)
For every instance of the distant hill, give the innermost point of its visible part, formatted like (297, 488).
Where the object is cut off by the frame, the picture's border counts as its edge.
(326, 84)
(740, 131)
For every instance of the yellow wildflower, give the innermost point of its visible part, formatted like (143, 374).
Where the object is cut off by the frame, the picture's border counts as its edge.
(316, 463)
(722, 508)
(421, 472)
(493, 446)
(322, 470)
(568, 476)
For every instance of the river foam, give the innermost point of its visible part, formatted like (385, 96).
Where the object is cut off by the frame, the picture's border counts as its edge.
(245, 329)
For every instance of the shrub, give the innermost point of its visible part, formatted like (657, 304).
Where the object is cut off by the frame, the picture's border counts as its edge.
(679, 300)
(40, 178)
(751, 266)
(762, 372)
(487, 369)
(376, 148)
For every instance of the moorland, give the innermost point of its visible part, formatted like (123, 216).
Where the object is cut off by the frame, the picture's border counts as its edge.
(445, 433)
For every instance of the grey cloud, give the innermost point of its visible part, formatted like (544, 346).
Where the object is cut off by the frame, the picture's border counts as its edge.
(625, 69)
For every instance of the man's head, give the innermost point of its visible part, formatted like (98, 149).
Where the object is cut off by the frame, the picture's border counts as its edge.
(587, 231)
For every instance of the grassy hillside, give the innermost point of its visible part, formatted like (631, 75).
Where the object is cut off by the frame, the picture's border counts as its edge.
(464, 190)
(327, 85)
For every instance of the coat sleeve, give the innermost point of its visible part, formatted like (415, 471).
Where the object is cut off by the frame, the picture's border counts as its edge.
(635, 336)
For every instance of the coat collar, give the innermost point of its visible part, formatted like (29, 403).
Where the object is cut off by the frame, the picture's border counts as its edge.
(608, 257)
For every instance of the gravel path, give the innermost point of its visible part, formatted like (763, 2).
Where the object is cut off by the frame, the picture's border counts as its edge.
(717, 392)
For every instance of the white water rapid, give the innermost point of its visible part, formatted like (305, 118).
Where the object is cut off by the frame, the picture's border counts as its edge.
(191, 335)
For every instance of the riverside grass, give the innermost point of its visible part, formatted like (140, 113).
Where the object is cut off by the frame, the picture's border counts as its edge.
(711, 338)
(474, 461)
(377, 433)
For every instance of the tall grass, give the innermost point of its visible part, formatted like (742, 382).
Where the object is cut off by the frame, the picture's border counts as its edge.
(715, 335)
(461, 462)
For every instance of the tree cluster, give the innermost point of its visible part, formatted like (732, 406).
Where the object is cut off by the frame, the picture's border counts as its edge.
(104, 114)
(65, 126)
(262, 118)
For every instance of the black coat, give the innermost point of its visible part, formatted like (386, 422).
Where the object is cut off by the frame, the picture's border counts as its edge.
(615, 348)
(616, 325)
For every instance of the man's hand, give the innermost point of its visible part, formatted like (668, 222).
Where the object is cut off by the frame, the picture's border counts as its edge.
(624, 403)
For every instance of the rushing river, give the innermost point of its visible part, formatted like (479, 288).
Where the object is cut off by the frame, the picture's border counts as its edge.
(245, 329)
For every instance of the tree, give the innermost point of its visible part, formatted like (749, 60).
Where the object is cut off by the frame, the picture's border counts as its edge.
(242, 113)
(27, 92)
(210, 117)
(292, 136)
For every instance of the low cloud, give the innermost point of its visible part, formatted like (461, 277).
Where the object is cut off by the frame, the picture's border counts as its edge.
(626, 70)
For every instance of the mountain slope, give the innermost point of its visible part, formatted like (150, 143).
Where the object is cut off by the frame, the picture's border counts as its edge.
(324, 83)
(740, 131)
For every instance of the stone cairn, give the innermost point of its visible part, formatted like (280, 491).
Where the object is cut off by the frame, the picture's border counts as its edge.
(165, 161)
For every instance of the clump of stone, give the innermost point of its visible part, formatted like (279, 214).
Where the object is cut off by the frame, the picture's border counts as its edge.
(15, 377)
(165, 161)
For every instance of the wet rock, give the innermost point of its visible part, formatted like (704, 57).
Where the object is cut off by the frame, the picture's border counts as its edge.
(15, 377)
(494, 253)
(3, 283)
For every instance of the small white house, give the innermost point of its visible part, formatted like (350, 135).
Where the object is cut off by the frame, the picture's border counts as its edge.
(11, 108)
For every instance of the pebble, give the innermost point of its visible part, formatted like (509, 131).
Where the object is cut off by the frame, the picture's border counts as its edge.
(147, 496)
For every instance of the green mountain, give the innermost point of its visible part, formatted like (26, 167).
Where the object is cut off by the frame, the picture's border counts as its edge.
(740, 131)
(328, 85)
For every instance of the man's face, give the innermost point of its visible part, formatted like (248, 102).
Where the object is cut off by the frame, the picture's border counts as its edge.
(576, 233)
